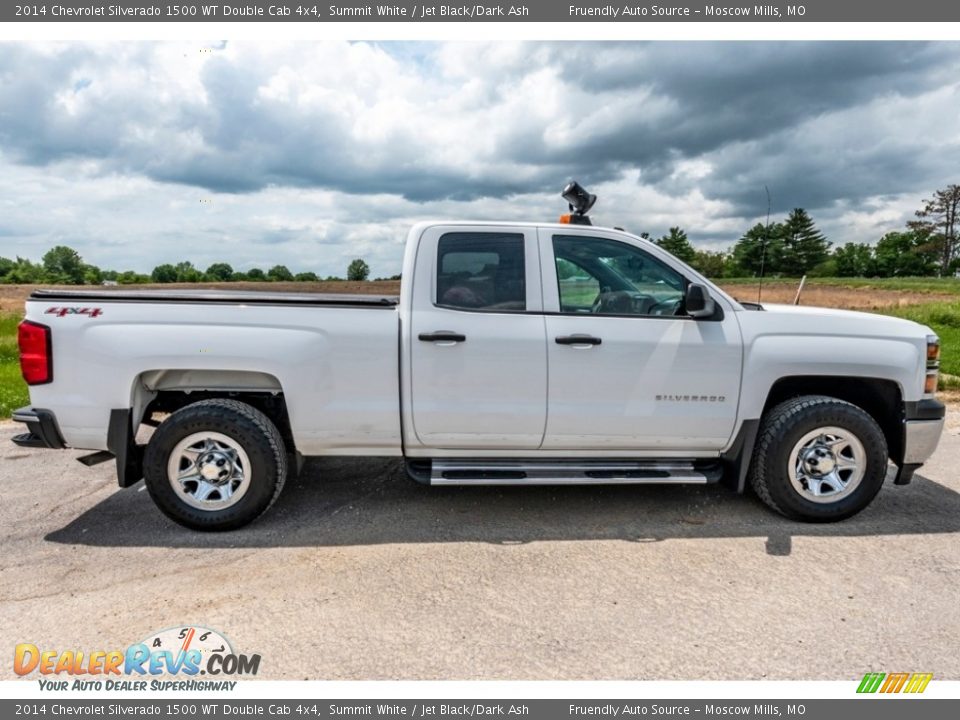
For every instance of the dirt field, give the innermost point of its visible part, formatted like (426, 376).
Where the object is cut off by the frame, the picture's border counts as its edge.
(847, 298)
(12, 297)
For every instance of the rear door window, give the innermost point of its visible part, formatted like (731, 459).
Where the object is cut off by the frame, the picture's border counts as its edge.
(481, 271)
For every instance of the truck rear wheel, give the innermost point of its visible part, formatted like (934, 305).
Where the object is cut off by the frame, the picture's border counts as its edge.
(818, 459)
(215, 465)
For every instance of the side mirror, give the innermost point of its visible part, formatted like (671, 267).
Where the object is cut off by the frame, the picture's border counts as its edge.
(698, 302)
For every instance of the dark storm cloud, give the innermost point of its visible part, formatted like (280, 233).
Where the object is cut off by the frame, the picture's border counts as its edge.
(739, 104)
(755, 113)
(723, 92)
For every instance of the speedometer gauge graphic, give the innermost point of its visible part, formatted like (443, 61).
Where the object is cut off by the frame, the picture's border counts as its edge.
(184, 638)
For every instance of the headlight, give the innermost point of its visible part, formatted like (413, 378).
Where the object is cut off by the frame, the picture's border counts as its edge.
(933, 365)
(933, 351)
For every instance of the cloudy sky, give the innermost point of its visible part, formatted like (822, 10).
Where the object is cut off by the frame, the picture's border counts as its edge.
(311, 154)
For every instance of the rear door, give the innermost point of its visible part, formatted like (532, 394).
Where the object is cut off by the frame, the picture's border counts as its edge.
(477, 341)
(628, 369)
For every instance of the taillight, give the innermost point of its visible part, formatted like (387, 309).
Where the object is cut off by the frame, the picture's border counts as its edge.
(36, 353)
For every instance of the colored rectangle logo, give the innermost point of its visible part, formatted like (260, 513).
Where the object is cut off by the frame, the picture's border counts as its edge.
(893, 683)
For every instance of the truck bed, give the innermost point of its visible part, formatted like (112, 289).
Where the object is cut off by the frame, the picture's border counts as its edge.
(335, 358)
(227, 297)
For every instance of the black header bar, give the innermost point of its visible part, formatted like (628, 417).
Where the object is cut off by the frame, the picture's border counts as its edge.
(890, 11)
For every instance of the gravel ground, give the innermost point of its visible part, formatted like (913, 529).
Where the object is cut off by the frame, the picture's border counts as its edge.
(358, 573)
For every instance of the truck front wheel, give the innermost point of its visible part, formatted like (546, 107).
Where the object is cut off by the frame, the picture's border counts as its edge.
(215, 465)
(818, 459)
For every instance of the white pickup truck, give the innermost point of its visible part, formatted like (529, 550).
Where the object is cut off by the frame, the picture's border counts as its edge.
(515, 354)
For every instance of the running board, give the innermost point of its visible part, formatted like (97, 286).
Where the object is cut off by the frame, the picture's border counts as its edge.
(479, 472)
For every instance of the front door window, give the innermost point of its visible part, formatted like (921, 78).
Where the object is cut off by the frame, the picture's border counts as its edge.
(605, 277)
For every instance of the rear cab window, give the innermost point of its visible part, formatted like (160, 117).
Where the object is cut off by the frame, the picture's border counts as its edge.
(481, 271)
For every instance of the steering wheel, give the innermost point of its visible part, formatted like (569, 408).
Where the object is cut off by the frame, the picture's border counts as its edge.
(599, 302)
(672, 305)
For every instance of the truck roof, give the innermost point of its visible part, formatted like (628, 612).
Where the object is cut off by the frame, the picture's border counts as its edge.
(510, 223)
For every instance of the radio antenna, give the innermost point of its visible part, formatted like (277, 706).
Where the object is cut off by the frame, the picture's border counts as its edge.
(763, 246)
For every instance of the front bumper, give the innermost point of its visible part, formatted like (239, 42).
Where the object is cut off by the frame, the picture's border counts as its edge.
(920, 438)
(42, 429)
(922, 426)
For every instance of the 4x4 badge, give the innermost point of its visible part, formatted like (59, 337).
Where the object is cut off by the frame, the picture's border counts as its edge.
(64, 311)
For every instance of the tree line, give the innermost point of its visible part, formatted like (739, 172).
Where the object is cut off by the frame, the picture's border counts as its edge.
(927, 246)
(63, 265)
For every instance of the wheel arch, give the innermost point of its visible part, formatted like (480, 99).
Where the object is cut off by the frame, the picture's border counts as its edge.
(165, 391)
(880, 398)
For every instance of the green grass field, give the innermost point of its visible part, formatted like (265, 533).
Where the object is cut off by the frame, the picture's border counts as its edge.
(944, 318)
(13, 390)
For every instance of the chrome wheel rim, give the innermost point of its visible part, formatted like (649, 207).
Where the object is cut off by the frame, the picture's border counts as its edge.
(209, 471)
(827, 464)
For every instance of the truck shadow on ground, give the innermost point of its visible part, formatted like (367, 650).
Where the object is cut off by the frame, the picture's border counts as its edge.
(347, 501)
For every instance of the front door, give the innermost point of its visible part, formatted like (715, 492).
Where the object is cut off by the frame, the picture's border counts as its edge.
(478, 357)
(628, 369)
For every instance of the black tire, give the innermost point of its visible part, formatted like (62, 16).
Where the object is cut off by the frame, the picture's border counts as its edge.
(251, 430)
(784, 426)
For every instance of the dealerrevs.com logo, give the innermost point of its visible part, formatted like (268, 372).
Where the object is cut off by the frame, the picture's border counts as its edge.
(155, 663)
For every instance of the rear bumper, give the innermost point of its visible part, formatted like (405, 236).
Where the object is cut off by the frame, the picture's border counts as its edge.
(42, 429)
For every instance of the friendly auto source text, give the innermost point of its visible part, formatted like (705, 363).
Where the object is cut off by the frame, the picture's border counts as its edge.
(615, 11)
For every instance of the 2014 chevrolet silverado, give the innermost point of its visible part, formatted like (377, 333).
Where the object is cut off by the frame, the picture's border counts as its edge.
(515, 354)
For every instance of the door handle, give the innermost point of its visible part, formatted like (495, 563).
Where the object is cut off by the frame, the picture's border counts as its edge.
(442, 337)
(578, 340)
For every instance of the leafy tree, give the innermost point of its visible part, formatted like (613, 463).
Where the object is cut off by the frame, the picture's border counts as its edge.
(187, 273)
(64, 265)
(220, 272)
(828, 268)
(279, 273)
(129, 277)
(333, 278)
(855, 260)
(165, 273)
(6, 265)
(760, 247)
(710, 263)
(677, 244)
(25, 272)
(358, 270)
(306, 277)
(906, 253)
(92, 275)
(256, 275)
(938, 220)
(804, 247)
